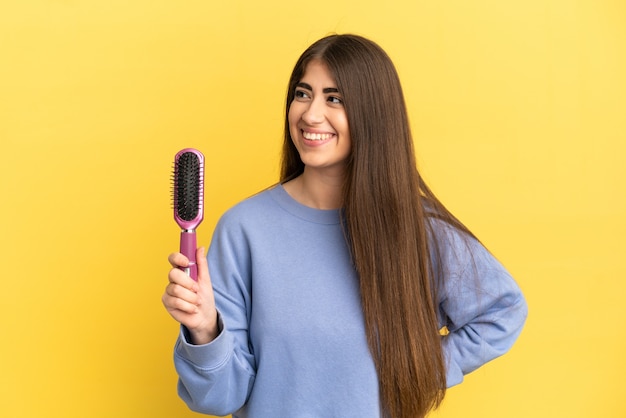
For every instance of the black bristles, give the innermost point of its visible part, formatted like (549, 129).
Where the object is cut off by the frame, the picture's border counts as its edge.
(187, 186)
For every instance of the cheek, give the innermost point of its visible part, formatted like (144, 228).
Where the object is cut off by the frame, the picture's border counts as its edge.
(345, 127)
(292, 118)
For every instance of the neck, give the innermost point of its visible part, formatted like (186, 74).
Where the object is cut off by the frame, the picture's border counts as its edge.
(317, 190)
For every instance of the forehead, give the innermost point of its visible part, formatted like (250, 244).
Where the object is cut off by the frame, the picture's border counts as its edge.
(317, 72)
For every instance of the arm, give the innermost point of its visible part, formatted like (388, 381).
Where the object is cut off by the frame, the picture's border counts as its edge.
(217, 377)
(479, 302)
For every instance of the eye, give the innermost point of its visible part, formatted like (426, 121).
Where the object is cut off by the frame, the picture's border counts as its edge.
(335, 100)
(301, 94)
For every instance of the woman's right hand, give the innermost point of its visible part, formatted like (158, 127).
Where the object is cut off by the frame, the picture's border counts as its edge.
(192, 302)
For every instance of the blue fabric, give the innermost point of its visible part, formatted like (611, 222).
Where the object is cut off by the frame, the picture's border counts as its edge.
(293, 340)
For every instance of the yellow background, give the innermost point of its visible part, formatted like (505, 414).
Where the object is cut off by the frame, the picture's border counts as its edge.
(518, 110)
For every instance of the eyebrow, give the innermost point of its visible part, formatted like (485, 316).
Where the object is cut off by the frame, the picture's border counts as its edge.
(326, 90)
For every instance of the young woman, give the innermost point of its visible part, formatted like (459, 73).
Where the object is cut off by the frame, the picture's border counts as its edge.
(348, 289)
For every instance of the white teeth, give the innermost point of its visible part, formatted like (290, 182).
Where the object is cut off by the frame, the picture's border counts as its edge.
(316, 137)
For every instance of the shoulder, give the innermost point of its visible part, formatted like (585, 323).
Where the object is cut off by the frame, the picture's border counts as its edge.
(251, 209)
(237, 227)
(257, 216)
(446, 236)
(455, 252)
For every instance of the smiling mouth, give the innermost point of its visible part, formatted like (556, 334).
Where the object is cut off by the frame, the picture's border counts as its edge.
(316, 137)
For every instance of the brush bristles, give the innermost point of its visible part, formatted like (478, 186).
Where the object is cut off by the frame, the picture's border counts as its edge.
(187, 187)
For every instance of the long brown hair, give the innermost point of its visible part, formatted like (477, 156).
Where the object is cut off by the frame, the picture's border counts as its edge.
(384, 209)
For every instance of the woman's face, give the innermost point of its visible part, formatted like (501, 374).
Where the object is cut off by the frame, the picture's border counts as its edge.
(317, 121)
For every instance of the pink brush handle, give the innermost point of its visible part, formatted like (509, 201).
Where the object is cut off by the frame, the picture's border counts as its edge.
(188, 249)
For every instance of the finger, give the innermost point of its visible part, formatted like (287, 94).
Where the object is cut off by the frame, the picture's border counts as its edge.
(178, 277)
(173, 304)
(181, 292)
(203, 266)
(178, 260)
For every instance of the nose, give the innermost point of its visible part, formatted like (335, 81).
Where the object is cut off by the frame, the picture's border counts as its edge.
(314, 113)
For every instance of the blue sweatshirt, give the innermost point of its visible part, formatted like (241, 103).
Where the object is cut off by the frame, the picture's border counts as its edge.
(293, 338)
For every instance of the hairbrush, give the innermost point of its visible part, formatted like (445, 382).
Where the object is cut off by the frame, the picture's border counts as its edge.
(188, 200)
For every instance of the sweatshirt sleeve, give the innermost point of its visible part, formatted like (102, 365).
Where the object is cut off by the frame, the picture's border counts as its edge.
(480, 303)
(216, 378)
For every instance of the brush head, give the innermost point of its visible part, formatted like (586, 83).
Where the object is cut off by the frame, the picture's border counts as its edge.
(188, 188)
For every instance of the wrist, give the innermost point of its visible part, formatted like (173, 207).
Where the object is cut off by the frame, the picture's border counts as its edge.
(204, 335)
